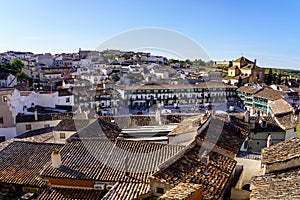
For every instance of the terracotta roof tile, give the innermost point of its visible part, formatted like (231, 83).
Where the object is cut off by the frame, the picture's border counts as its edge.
(280, 106)
(282, 185)
(270, 94)
(287, 121)
(272, 125)
(127, 191)
(22, 162)
(212, 177)
(72, 124)
(104, 160)
(42, 138)
(230, 138)
(282, 151)
(182, 191)
(248, 89)
(70, 194)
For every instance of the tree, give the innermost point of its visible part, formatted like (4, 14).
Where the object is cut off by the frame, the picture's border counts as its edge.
(17, 65)
(116, 78)
(171, 60)
(270, 76)
(252, 79)
(240, 80)
(188, 61)
(278, 78)
(22, 76)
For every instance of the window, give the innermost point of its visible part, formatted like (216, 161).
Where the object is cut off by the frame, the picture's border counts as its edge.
(295, 129)
(68, 100)
(1, 120)
(62, 135)
(160, 190)
(28, 127)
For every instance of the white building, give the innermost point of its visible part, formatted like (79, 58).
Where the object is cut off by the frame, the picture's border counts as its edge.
(8, 80)
(94, 78)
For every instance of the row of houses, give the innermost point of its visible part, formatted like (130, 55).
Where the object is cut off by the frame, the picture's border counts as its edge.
(266, 100)
(20, 110)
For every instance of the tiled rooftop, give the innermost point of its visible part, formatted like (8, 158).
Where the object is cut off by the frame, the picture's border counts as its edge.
(22, 162)
(212, 177)
(126, 121)
(287, 121)
(270, 94)
(70, 194)
(282, 185)
(280, 106)
(98, 129)
(186, 126)
(72, 124)
(242, 59)
(127, 191)
(272, 125)
(224, 134)
(42, 138)
(181, 192)
(282, 151)
(104, 160)
(248, 89)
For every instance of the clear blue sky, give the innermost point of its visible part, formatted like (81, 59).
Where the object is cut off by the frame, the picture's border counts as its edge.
(268, 30)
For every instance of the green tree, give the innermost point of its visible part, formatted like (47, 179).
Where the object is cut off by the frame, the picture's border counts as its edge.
(17, 65)
(22, 76)
(188, 61)
(171, 60)
(270, 76)
(116, 78)
(239, 83)
(278, 78)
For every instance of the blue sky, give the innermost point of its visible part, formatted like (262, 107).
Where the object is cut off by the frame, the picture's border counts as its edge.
(263, 29)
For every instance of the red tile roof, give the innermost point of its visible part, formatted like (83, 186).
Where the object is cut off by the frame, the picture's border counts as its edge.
(127, 191)
(105, 160)
(282, 185)
(230, 138)
(212, 176)
(270, 94)
(70, 194)
(22, 162)
(283, 151)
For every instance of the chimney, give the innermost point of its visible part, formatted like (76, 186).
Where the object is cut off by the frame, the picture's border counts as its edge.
(126, 167)
(79, 109)
(35, 115)
(247, 117)
(158, 115)
(269, 140)
(228, 118)
(254, 62)
(205, 157)
(252, 122)
(85, 113)
(56, 159)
